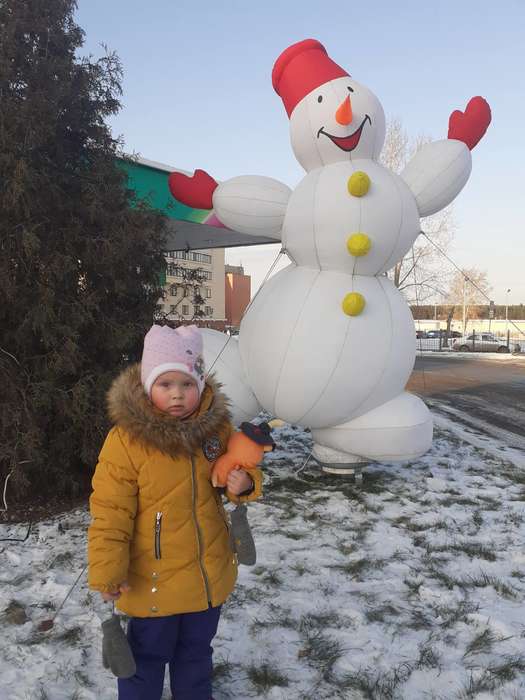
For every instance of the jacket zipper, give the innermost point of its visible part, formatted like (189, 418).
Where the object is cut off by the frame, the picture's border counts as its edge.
(197, 527)
(158, 520)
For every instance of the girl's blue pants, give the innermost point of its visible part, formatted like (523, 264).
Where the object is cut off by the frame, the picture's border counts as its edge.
(182, 641)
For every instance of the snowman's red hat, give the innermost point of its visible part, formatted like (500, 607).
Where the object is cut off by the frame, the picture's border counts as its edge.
(301, 68)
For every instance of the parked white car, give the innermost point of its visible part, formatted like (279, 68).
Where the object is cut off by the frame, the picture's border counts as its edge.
(484, 342)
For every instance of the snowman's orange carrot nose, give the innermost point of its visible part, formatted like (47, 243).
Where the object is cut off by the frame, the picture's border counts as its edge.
(344, 112)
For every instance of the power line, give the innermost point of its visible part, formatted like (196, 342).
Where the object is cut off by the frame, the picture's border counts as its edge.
(465, 276)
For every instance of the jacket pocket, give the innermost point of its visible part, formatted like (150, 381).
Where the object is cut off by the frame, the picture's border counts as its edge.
(158, 527)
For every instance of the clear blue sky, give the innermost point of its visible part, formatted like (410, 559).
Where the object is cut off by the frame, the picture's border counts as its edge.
(198, 94)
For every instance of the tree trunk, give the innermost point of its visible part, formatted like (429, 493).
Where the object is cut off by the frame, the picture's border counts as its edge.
(450, 316)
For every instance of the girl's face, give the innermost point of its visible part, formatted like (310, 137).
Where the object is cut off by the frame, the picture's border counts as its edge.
(175, 393)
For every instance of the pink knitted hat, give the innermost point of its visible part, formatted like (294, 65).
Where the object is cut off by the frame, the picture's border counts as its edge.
(168, 350)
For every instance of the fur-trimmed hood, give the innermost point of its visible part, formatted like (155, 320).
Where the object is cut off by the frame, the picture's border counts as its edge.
(130, 409)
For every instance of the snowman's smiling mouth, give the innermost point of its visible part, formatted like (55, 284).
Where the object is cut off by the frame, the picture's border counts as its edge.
(346, 143)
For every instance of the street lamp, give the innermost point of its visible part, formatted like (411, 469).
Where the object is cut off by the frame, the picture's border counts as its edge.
(507, 312)
(464, 307)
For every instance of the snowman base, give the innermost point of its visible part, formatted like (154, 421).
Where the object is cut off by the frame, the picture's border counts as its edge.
(336, 462)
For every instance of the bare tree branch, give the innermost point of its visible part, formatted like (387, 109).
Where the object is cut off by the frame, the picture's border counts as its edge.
(423, 262)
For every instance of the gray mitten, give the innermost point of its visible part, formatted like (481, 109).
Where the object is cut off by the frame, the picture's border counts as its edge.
(241, 537)
(116, 652)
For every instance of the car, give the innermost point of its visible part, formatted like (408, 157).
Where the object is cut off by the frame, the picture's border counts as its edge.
(484, 342)
(442, 332)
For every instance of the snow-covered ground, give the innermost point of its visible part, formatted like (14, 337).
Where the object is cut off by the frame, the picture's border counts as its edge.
(410, 587)
(494, 356)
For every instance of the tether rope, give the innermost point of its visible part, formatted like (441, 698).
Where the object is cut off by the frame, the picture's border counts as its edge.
(281, 252)
(466, 277)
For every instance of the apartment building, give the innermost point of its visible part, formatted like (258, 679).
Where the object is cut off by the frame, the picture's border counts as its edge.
(195, 276)
(189, 231)
(237, 294)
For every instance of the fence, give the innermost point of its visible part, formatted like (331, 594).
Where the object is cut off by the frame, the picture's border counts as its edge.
(475, 341)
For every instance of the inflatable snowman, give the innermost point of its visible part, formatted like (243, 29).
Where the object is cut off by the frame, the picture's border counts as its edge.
(329, 342)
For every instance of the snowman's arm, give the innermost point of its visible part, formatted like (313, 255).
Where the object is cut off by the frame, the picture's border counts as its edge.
(439, 171)
(437, 174)
(252, 204)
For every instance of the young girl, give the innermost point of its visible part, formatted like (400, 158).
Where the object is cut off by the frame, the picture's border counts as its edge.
(158, 542)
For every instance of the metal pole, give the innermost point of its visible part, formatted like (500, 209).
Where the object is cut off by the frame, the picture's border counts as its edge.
(464, 310)
(507, 313)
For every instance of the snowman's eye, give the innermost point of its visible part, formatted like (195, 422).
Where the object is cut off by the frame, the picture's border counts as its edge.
(351, 89)
(320, 98)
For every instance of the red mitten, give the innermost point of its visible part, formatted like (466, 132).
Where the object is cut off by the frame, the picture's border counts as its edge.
(469, 126)
(195, 191)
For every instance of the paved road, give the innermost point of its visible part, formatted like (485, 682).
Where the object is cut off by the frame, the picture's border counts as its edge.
(487, 396)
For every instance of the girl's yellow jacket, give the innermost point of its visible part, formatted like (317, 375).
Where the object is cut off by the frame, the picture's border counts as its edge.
(157, 522)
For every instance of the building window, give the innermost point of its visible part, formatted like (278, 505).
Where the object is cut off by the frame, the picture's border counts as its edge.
(189, 255)
(208, 293)
(185, 309)
(172, 308)
(201, 257)
(174, 270)
(173, 291)
(208, 310)
(186, 292)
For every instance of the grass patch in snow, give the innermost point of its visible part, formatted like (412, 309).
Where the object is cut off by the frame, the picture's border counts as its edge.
(319, 650)
(293, 535)
(477, 519)
(328, 618)
(62, 560)
(268, 576)
(474, 550)
(83, 679)
(482, 643)
(300, 569)
(449, 501)
(222, 669)
(513, 474)
(487, 680)
(381, 613)
(490, 502)
(264, 677)
(449, 615)
(71, 636)
(413, 585)
(356, 568)
(513, 518)
(407, 523)
(483, 580)
(375, 685)
(277, 617)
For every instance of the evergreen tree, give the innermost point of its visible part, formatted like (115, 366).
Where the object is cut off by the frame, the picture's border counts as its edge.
(78, 265)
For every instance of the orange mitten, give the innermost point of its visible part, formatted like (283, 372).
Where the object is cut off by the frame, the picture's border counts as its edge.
(245, 450)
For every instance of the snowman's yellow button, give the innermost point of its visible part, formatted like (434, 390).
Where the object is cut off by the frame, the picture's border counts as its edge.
(353, 304)
(358, 244)
(358, 183)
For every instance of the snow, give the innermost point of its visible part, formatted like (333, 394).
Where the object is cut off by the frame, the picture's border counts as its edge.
(410, 587)
(489, 356)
